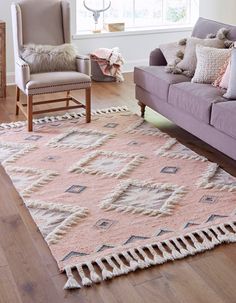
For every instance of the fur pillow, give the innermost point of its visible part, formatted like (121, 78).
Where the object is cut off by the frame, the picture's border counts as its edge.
(209, 63)
(188, 64)
(173, 52)
(47, 58)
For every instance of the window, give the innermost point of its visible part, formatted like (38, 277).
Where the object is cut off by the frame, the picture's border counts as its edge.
(138, 13)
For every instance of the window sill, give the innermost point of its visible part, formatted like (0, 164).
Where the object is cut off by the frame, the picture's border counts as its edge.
(132, 32)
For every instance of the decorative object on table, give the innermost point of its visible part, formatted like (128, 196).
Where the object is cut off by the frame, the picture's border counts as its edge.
(96, 15)
(106, 65)
(115, 27)
(36, 41)
(2, 59)
(126, 197)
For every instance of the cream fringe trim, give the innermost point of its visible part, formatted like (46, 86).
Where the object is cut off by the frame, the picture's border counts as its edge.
(67, 116)
(80, 167)
(165, 151)
(154, 254)
(57, 141)
(75, 215)
(110, 202)
(45, 176)
(133, 129)
(25, 149)
(205, 180)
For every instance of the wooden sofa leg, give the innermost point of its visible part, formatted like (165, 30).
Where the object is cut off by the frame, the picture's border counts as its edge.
(143, 107)
(88, 104)
(30, 113)
(67, 96)
(17, 99)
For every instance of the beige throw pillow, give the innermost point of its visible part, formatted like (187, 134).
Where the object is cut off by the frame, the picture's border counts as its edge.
(188, 64)
(47, 58)
(209, 63)
(170, 52)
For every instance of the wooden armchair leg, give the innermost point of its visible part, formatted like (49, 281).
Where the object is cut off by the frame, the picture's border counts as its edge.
(30, 113)
(88, 104)
(17, 99)
(143, 107)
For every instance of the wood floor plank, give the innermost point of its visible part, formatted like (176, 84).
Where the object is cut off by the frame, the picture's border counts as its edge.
(28, 272)
(183, 279)
(8, 289)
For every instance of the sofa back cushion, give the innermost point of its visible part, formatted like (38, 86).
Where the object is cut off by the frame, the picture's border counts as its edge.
(204, 27)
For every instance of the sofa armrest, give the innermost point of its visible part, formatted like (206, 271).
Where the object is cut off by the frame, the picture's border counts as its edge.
(22, 73)
(157, 58)
(83, 64)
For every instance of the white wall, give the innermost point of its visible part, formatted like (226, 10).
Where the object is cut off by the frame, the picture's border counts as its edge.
(135, 48)
(221, 10)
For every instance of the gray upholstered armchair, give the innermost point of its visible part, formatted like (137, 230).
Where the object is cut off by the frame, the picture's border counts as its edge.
(46, 22)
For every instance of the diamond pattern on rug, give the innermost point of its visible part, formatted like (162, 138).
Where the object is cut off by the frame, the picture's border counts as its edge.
(29, 180)
(80, 138)
(55, 220)
(144, 198)
(144, 128)
(73, 254)
(106, 163)
(176, 150)
(162, 232)
(104, 224)
(133, 239)
(104, 247)
(216, 177)
(11, 152)
(215, 217)
(208, 199)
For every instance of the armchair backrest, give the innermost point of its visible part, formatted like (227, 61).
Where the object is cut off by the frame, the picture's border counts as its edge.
(44, 22)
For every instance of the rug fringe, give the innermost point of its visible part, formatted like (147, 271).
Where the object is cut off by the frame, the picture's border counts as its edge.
(67, 116)
(152, 254)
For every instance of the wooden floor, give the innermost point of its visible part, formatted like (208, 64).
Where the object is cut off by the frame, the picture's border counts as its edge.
(29, 274)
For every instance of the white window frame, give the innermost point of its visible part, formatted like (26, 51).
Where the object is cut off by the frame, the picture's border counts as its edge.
(135, 30)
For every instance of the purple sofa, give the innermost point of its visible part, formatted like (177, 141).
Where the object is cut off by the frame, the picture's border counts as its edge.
(198, 108)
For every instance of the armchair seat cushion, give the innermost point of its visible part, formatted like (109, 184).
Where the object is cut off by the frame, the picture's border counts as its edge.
(45, 83)
(155, 80)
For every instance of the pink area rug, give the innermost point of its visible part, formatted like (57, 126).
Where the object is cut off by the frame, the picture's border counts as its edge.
(116, 195)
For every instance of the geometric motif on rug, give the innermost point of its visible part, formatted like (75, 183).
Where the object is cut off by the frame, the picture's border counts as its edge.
(28, 180)
(55, 220)
(216, 177)
(80, 138)
(10, 152)
(146, 198)
(145, 128)
(176, 150)
(112, 164)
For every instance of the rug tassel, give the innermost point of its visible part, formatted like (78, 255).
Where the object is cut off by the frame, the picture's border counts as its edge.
(141, 263)
(116, 270)
(93, 275)
(147, 260)
(157, 259)
(132, 263)
(175, 253)
(182, 250)
(71, 282)
(165, 253)
(84, 280)
(106, 274)
(124, 268)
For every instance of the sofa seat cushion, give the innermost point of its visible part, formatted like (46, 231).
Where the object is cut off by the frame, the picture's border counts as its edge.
(45, 83)
(156, 81)
(223, 117)
(195, 99)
